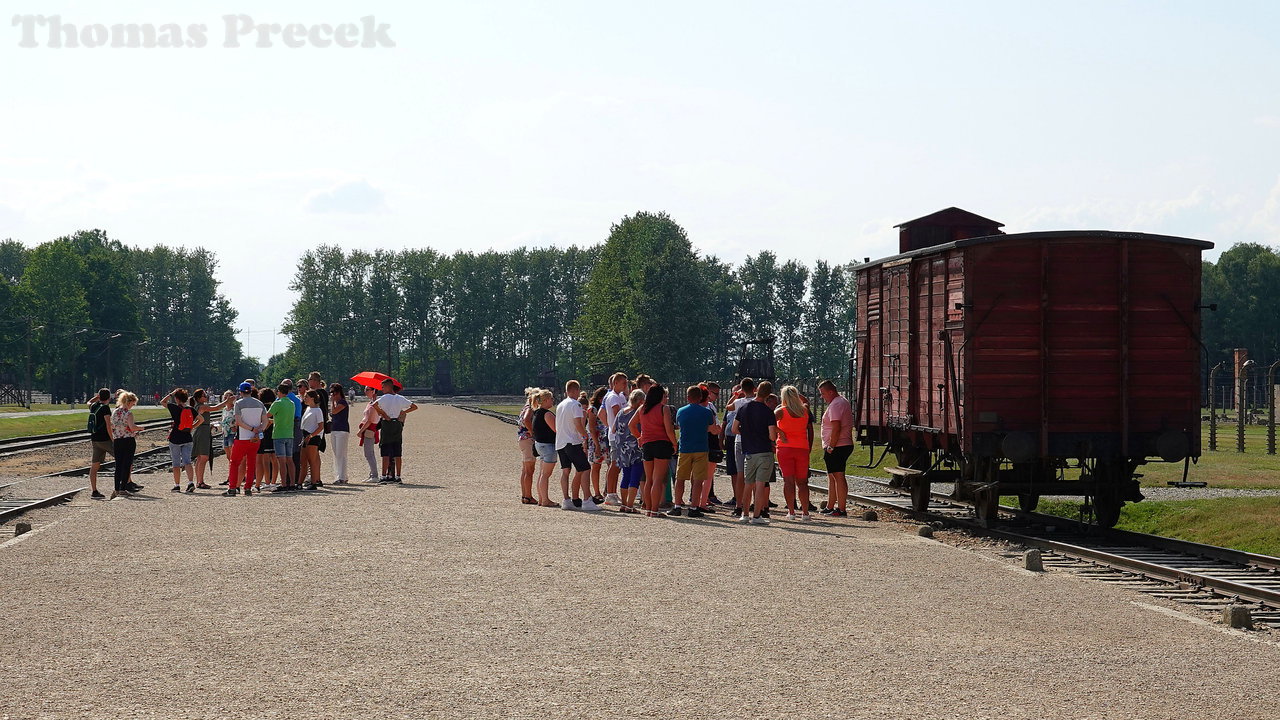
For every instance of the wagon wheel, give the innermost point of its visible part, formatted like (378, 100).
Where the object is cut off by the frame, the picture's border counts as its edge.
(1107, 499)
(1106, 509)
(1028, 501)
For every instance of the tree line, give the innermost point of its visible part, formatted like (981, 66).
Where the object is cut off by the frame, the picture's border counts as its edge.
(1244, 284)
(493, 322)
(84, 311)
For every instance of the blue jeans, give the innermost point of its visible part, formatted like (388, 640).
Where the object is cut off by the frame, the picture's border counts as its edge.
(283, 447)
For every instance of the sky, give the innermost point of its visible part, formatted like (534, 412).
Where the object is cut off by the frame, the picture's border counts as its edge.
(806, 128)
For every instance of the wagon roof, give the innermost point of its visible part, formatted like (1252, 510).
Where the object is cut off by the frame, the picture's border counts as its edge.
(1049, 235)
(951, 215)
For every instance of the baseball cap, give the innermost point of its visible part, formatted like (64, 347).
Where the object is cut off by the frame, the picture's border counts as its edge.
(246, 387)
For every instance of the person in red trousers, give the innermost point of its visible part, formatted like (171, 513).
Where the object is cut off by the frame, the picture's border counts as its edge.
(249, 420)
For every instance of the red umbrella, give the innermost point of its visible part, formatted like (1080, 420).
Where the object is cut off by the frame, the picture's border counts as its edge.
(373, 379)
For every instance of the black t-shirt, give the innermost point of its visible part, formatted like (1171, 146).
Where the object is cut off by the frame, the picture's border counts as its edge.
(176, 411)
(542, 432)
(754, 421)
(100, 411)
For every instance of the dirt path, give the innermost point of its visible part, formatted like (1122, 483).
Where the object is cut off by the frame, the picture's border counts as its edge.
(446, 598)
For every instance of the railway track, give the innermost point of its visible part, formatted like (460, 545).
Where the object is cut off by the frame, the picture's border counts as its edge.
(13, 446)
(11, 508)
(1204, 576)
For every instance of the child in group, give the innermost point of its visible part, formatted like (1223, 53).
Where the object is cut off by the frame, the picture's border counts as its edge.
(626, 453)
(312, 440)
(597, 441)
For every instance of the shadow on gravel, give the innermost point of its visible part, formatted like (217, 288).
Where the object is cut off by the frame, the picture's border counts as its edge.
(421, 487)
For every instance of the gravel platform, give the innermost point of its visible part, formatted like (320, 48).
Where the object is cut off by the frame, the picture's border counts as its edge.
(445, 598)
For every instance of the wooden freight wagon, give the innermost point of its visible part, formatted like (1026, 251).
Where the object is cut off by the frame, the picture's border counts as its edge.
(1042, 363)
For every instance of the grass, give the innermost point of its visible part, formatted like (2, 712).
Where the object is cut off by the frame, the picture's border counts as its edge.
(1246, 523)
(34, 408)
(45, 424)
(512, 410)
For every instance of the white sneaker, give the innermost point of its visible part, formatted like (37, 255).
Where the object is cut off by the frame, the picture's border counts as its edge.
(792, 516)
(805, 517)
(590, 505)
(744, 518)
(759, 521)
(567, 504)
(612, 499)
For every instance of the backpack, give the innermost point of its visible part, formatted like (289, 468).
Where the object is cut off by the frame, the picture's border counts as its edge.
(92, 425)
(186, 418)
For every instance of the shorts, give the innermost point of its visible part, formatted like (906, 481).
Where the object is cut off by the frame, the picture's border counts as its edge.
(692, 466)
(574, 455)
(838, 458)
(391, 450)
(283, 446)
(228, 440)
(632, 476)
(758, 468)
(730, 457)
(657, 450)
(546, 451)
(794, 462)
(180, 453)
(526, 449)
(101, 449)
(318, 442)
(266, 447)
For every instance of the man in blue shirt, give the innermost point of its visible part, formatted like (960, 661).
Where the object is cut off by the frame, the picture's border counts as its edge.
(694, 420)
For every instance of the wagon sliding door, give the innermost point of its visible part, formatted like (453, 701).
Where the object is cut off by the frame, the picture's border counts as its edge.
(897, 389)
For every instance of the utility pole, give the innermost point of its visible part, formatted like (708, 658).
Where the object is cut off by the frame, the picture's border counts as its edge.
(30, 330)
(389, 345)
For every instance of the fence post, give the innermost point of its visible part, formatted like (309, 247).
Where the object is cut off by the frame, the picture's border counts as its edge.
(1213, 410)
(1243, 381)
(1271, 408)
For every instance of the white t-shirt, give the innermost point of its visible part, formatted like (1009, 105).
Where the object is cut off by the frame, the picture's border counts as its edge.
(613, 403)
(566, 429)
(311, 419)
(393, 404)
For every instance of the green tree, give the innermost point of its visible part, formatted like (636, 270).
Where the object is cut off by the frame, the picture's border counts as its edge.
(52, 282)
(648, 305)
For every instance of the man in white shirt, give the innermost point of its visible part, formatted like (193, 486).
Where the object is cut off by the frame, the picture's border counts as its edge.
(392, 408)
(571, 433)
(614, 401)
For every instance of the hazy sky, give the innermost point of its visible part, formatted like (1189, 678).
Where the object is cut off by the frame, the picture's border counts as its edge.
(807, 128)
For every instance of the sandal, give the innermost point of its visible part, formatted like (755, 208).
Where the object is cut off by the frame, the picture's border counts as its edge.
(549, 504)
(202, 486)
(526, 500)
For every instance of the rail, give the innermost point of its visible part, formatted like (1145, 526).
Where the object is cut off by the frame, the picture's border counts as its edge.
(14, 445)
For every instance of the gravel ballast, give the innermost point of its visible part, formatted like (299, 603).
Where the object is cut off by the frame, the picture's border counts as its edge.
(447, 598)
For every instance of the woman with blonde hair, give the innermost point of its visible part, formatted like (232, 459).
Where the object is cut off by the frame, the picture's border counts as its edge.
(793, 451)
(543, 427)
(524, 439)
(124, 432)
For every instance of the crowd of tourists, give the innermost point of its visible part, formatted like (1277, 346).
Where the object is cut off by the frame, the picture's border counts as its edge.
(634, 428)
(273, 437)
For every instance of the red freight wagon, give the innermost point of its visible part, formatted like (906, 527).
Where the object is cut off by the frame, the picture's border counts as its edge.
(1043, 363)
